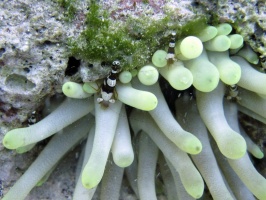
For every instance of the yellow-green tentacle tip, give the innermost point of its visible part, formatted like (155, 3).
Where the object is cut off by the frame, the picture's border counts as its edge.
(224, 29)
(219, 43)
(191, 47)
(233, 147)
(90, 87)
(207, 33)
(91, 177)
(248, 53)
(25, 149)
(125, 77)
(136, 98)
(74, 90)
(178, 76)
(134, 72)
(192, 145)
(14, 139)
(229, 71)
(159, 58)
(148, 75)
(256, 152)
(236, 41)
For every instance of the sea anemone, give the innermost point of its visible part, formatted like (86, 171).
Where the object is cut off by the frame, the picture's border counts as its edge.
(220, 85)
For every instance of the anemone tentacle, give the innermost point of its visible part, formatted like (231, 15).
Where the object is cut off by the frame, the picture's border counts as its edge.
(52, 153)
(106, 121)
(62, 116)
(187, 115)
(210, 105)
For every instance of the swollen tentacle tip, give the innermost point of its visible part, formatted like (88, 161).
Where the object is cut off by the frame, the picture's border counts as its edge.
(90, 87)
(148, 75)
(123, 160)
(257, 153)
(219, 43)
(12, 139)
(194, 189)
(193, 147)
(224, 29)
(247, 53)
(74, 90)
(87, 185)
(189, 48)
(89, 180)
(230, 71)
(178, 76)
(159, 58)
(236, 41)
(207, 33)
(24, 149)
(231, 77)
(125, 77)
(234, 147)
(196, 192)
(205, 75)
(136, 98)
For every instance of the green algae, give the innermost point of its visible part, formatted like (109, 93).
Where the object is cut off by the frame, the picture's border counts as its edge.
(132, 42)
(193, 27)
(69, 8)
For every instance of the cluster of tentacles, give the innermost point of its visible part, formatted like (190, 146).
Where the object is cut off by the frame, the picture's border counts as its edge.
(187, 156)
